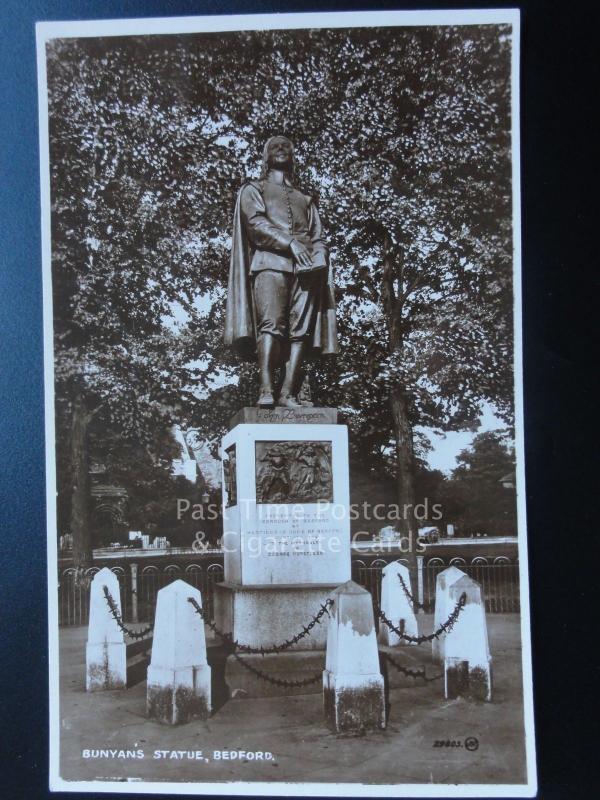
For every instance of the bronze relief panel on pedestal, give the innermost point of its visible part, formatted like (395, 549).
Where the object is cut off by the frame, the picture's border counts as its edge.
(293, 472)
(230, 476)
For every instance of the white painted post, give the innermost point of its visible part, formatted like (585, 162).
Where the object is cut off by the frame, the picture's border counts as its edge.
(420, 586)
(178, 686)
(443, 607)
(395, 604)
(105, 652)
(467, 662)
(353, 690)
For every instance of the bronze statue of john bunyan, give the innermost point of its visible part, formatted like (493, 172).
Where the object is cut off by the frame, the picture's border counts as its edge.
(280, 305)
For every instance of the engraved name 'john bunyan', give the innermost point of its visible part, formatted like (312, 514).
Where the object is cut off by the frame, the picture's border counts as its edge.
(289, 415)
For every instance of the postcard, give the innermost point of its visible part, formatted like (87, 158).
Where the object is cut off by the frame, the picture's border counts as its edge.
(287, 540)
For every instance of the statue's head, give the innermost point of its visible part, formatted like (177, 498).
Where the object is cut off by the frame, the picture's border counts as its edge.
(278, 153)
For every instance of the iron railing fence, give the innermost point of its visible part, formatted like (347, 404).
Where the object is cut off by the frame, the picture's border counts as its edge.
(499, 582)
(74, 594)
(140, 583)
(151, 580)
(139, 587)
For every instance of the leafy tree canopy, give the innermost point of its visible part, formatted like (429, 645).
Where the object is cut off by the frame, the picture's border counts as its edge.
(404, 136)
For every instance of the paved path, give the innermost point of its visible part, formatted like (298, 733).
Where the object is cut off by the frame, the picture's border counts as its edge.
(292, 730)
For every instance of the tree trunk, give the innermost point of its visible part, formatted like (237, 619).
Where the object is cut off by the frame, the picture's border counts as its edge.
(405, 461)
(392, 291)
(80, 500)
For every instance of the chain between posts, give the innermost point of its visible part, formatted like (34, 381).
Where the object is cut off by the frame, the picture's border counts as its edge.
(444, 627)
(277, 648)
(411, 673)
(235, 645)
(128, 631)
(324, 609)
(286, 684)
(409, 596)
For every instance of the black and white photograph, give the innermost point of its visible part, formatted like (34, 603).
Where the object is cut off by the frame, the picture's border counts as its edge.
(287, 545)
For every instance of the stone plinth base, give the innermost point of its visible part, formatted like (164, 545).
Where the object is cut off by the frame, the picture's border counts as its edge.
(353, 703)
(467, 662)
(175, 696)
(288, 666)
(443, 607)
(106, 666)
(105, 654)
(179, 678)
(396, 606)
(463, 680)
(353, 686)
(268, 615)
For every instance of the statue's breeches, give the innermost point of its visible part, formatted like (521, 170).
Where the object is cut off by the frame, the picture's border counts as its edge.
(285, 304)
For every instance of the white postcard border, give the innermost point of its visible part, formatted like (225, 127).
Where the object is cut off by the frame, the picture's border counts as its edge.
(203, 24)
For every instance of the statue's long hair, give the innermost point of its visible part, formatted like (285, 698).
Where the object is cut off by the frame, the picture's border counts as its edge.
(265, 159)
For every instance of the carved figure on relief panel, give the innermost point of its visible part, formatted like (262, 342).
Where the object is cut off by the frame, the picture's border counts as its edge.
(273, 478)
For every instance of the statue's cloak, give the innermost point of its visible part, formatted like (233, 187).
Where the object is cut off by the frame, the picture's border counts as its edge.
(240, 318)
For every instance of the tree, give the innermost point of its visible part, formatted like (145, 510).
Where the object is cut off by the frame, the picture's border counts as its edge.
(139, 157)
(476, 496)
(404, 135)
(420, 201)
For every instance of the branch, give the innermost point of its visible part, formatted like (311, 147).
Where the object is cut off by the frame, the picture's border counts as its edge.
(392, 302)
(91, 414)
(410, 288)
(388, 293)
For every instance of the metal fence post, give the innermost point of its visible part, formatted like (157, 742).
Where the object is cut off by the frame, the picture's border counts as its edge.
(420, 594)
(134, 595)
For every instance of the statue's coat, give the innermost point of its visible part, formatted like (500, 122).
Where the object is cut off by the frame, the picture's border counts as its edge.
(240, 327)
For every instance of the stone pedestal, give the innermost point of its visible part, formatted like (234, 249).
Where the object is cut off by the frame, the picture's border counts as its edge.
(267, 615)
(395, 605)
(467, 659)
(286, 533)
(286, 504)
(353, 687)
(178, 688)
(105, 653)
(443, 607)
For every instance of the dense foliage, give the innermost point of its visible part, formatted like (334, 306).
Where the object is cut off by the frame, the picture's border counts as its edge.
(404, 136)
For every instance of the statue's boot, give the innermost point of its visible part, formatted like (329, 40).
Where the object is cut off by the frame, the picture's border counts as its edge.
(288, 401)
(265, 400)
(293, 374)
(267, 351)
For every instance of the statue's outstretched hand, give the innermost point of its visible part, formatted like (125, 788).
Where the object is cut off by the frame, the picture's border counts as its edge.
(301, 254)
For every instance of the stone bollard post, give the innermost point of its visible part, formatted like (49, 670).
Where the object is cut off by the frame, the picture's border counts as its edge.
(105, 652)
(178, 688)
(395, 605)
(467, 661)
(353, 690)
(443, 607)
